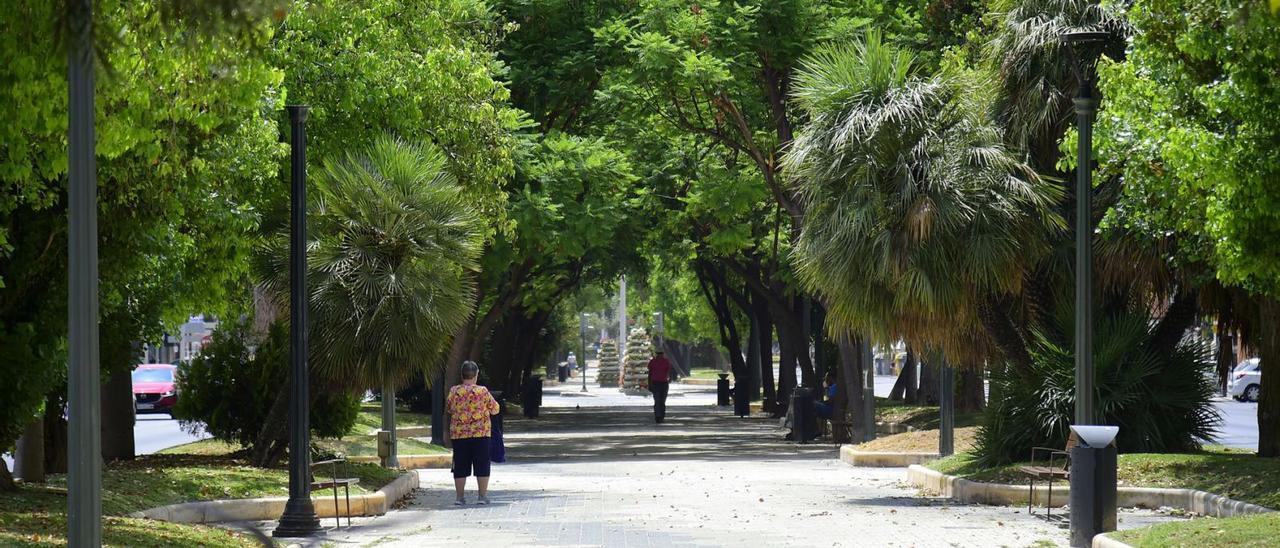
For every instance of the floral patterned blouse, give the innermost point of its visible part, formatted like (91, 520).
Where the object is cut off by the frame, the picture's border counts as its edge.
(469, 407)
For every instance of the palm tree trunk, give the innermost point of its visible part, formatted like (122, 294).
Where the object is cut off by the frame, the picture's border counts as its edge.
(850, 378)
(28, 460)
(389, 424)
(927, 394)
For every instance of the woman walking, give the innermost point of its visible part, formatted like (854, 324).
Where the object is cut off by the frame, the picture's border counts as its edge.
(470, 407)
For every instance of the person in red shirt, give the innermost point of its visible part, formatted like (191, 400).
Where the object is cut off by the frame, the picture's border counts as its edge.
(659, 382)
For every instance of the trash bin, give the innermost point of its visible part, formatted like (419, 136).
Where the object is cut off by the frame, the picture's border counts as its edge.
(722, 390)
(804, 417)
(741, 400)
(532, 397)
(1093, 482)
(564, 372)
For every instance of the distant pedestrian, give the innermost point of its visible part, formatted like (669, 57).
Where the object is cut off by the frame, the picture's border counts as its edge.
(470, 406)
(659, 382)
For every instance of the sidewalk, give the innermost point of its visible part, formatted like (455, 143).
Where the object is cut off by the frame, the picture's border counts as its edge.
(606, 475)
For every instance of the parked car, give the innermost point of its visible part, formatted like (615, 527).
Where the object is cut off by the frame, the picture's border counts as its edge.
(154, 390)
(1246, 380)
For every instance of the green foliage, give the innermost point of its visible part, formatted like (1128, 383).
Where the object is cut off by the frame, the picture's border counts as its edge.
(184, 154)
(29, 376)
(1160, 398)
(914, 209)
(393, 241)
(1187, 126)
(423, 71)
(228, 390)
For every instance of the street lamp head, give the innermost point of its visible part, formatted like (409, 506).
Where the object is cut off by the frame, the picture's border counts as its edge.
(1084, 48)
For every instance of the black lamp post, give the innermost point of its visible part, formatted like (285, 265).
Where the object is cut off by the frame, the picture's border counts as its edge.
(299, 518)
(84, 455)
(1084, 48)
(582, 348)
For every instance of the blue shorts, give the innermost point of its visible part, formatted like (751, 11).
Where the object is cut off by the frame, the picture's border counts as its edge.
(471, 454)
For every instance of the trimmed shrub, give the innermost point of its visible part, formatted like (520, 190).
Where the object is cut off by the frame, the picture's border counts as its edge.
(228, 390)
(1159, 397)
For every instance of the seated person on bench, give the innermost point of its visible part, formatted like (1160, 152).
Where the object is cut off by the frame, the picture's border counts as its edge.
(825, 406)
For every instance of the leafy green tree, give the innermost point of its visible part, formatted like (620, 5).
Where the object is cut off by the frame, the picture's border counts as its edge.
(393, 242)
(1188, 128)
(229, 388)
(425, 71)
(184, 152)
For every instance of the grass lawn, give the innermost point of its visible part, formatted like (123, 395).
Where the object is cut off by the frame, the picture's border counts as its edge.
(362, 441)
(706, 374)
(1232, 473)
(36, 515)
(920, 417)
(1244, 531)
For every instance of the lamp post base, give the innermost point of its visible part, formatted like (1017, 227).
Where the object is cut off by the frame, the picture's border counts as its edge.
(299, 520)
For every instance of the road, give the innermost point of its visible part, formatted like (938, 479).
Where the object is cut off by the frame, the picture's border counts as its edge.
(151, 433)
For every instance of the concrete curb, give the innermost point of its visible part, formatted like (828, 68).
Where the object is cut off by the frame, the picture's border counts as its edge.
(413, 462)
(270, 508)
(1191, 500)
(891, 428)
(699, 382)
(883, 459)
(1101, 540)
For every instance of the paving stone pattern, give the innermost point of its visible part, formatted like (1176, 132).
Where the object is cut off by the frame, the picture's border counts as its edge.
(607, 476)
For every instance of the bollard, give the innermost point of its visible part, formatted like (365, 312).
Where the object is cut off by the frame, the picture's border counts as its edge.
(532, 397)
(722, 390)
(741, 400)
(804, 416)
(384, 446)
(1093, 483)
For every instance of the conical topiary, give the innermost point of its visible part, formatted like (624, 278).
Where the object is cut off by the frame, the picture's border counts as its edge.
(607, 374)
(635, 368)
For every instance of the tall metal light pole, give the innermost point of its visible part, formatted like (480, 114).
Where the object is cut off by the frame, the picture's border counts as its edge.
(84, 454)
(622, 316)
(1084, 48)
(582, 348)
(299, 518)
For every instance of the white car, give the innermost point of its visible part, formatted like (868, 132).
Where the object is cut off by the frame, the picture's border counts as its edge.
(1246, 380)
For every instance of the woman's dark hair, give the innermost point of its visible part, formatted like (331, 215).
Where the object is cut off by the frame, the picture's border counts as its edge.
(470, 370)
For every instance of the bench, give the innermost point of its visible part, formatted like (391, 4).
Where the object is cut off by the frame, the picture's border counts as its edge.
(1056, 467)
(334, 482)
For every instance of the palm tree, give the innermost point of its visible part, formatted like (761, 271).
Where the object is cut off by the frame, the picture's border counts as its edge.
(917, 212)
(392, 240)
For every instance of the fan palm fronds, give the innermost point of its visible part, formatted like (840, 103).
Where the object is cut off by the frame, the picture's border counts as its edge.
(915, 207)
(391, 242)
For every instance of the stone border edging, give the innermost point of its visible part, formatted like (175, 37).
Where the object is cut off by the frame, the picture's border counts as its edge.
(1101, 540)
(270, 508)
(413, 462)
(883, 459)
(1191, 500)
(699, 382)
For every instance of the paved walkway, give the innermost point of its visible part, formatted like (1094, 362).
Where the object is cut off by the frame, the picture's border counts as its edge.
(587, 475)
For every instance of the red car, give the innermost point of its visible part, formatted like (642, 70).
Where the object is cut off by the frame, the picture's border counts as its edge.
(153, 388)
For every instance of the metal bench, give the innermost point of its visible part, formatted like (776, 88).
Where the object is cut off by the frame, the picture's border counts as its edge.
(333, 483)
(1056, 467)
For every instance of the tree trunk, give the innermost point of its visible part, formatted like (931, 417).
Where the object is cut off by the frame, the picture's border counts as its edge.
(28, 459)
(118, 417)
(769, 390)
(55, 437)
(389, 424)
(927, 394)
(1269, 399)
(971, 395)
(6, 479)
(851, 379)
(899, 389)
(1226, 352)
(265, 451)
(752, 386)
(786, 374)
(912, 365)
